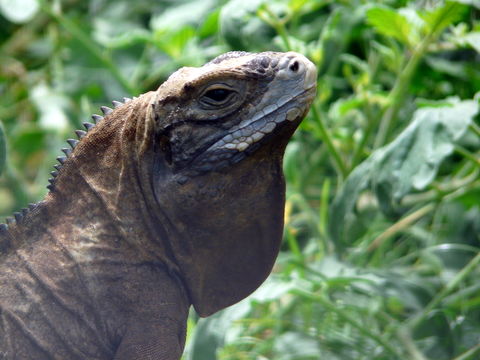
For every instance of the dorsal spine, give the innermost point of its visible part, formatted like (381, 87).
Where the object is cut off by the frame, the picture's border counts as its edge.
(19, 216)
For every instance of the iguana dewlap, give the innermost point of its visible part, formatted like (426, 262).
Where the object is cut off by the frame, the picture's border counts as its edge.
(172, 199)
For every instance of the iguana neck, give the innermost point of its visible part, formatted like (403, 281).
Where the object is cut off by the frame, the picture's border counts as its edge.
(100, 193)
(226, 243)
(112, 194)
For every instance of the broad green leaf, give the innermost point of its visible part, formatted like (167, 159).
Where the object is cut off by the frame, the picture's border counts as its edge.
(3, 148)
(210, 332)
(19, 11)
(183, 13)
(110, 35)
(342, 107)
(391, 23)
(207, 338)
(174, 42)
(409, 162)
(210, 25)
(28, 140)
(441, 17)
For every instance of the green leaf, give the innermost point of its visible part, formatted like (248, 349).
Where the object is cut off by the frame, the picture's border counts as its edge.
(409, 162)
(473, 39)
(241, 28)
(210, 332)
(210, 25)
(390, 23)
(173, 43)
(28, 141)
(441, 17)
(186, 13)
(293, 346)
(3, 148)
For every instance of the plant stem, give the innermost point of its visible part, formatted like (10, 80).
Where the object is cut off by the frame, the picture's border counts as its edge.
(410, 346)
(372, 122)
(299, 200)
(293, 245)
(449, 287)
(323, 208)
(279, 25)
(400, 225)
(3, 148)
(467, 154)
(399, 91)
(347, 318)
(474, 127)
(467, 354)
(327, 138)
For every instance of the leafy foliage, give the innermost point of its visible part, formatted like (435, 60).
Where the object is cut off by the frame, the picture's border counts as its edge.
(391, 23)
(3, 148)
(411, 161)
(381, 251)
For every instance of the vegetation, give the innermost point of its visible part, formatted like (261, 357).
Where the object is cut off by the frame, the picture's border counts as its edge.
(382, 248)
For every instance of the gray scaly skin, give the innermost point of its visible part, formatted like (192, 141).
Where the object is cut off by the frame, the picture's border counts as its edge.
(172, 199)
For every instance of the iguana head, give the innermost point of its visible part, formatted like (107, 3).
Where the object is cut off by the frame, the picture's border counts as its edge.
(211, 117)
(220, 135)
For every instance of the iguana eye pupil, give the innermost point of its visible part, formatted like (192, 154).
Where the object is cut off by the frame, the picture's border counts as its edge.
(217, 95)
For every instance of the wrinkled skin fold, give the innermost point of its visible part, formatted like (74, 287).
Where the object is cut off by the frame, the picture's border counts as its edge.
(174, 198)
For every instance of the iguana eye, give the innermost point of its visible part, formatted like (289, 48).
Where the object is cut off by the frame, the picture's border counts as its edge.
(217, 96)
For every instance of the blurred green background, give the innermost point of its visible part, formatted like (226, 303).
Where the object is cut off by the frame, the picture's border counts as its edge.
(382, 249)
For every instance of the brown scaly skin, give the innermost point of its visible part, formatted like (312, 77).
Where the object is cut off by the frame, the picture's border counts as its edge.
(174, 198)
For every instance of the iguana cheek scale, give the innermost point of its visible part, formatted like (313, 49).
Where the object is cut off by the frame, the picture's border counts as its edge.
(171, 199)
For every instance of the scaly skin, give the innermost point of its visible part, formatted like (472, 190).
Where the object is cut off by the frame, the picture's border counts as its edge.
(175, 198)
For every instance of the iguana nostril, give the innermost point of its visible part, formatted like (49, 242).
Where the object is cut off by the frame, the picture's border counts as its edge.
(294, 66)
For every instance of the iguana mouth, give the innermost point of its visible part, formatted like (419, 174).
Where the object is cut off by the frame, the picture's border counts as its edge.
(265, 122)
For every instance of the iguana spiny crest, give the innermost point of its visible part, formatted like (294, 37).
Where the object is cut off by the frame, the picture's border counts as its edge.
(187, 178)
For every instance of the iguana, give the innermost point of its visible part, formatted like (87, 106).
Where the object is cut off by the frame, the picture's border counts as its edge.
(173, 198)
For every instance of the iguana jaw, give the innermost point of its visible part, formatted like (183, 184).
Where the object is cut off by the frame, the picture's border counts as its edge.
(264, 123)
